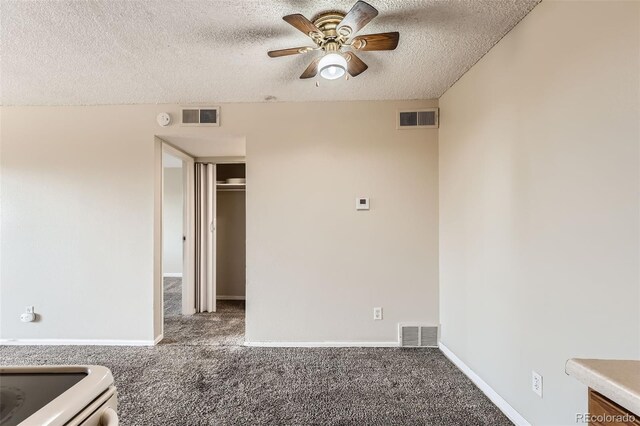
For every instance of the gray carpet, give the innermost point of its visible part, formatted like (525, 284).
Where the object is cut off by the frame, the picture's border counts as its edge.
(222, 328)
(203, 384)
(172, 296)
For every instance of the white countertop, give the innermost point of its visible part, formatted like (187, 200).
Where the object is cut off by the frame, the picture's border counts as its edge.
(618, 380)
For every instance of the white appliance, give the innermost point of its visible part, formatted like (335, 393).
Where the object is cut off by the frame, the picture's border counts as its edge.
(57, 395)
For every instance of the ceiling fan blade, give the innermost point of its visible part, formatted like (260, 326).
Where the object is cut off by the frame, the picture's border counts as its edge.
(360, 15)
(287, 52)
(355, 66)
(302, 24)
(382, 41)
(311, 70)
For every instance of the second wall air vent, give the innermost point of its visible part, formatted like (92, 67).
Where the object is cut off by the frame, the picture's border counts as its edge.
(417, 336)
(202, 116)
(418, 119)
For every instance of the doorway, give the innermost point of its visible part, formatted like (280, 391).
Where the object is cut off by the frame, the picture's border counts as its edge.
(210, 246)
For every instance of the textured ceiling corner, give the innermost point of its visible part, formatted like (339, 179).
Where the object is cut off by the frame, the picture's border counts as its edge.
(537, 2)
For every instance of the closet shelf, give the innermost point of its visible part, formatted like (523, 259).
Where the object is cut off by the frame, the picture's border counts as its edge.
(231, 186)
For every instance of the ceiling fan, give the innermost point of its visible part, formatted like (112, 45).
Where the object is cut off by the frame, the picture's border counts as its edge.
(332, 34)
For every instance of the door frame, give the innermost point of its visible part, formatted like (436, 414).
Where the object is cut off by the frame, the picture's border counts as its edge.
(188, 279)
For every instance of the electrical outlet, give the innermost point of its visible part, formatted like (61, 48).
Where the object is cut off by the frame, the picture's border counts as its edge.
(536, 383)
(377, 313)
(29, 315)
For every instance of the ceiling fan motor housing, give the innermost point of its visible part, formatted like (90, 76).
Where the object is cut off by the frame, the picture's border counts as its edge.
(332, 46)
(328, 24)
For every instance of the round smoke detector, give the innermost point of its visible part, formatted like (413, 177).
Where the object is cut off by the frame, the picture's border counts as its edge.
(164, 119)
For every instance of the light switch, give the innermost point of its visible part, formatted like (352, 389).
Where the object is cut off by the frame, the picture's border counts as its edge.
(362, 203)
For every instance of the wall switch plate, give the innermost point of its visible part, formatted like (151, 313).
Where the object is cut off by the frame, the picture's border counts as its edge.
(536, 383)
(377, 314)
(362, 203)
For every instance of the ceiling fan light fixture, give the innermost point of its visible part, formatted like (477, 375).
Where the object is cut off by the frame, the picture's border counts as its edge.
(332, 66)
(331, 32)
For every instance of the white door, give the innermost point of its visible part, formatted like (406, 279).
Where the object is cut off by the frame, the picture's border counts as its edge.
(205, 241)
(188, 230)
(211, 241)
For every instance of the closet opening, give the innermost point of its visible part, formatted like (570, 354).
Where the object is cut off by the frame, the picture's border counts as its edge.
(220, 251)
(230, 251)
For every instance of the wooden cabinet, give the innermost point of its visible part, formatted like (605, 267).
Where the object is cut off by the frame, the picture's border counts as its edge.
(604, 412)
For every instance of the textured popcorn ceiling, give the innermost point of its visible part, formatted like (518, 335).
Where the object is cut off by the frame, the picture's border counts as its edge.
(167, 51)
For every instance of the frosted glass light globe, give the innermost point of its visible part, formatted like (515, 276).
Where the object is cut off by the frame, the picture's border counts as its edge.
(332, 66)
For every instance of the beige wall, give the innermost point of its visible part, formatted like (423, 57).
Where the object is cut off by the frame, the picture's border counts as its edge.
(77, 209)
(539, 205)
(231, 244)
(316, 267)
(172, 224)
(78, 219)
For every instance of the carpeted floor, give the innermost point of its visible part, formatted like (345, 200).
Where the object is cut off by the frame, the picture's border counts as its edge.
(191, 383)
(224, 327)
(172, 296)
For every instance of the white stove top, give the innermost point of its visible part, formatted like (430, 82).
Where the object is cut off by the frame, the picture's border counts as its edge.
(51, 395)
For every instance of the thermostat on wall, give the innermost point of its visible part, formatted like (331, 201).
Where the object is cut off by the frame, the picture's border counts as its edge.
(362, 203)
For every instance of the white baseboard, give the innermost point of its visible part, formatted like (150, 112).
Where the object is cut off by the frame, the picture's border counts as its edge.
(74, 342)
(323, 344)
(230, 297)
(499, 401)
(172, 274)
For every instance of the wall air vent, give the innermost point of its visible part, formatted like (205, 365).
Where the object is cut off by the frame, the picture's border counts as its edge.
(417, 336)
(201, 116)
(418, 119)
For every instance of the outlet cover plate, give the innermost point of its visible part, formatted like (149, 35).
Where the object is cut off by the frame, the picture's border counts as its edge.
(377, 314)
(536, 383)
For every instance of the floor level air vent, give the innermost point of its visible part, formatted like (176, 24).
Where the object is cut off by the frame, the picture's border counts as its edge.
(418, 119)
(416, 336)
(202, 116)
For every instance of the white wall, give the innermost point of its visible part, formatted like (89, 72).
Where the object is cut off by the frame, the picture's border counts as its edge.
(539, 204)
(78, 219)
(172, 223)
